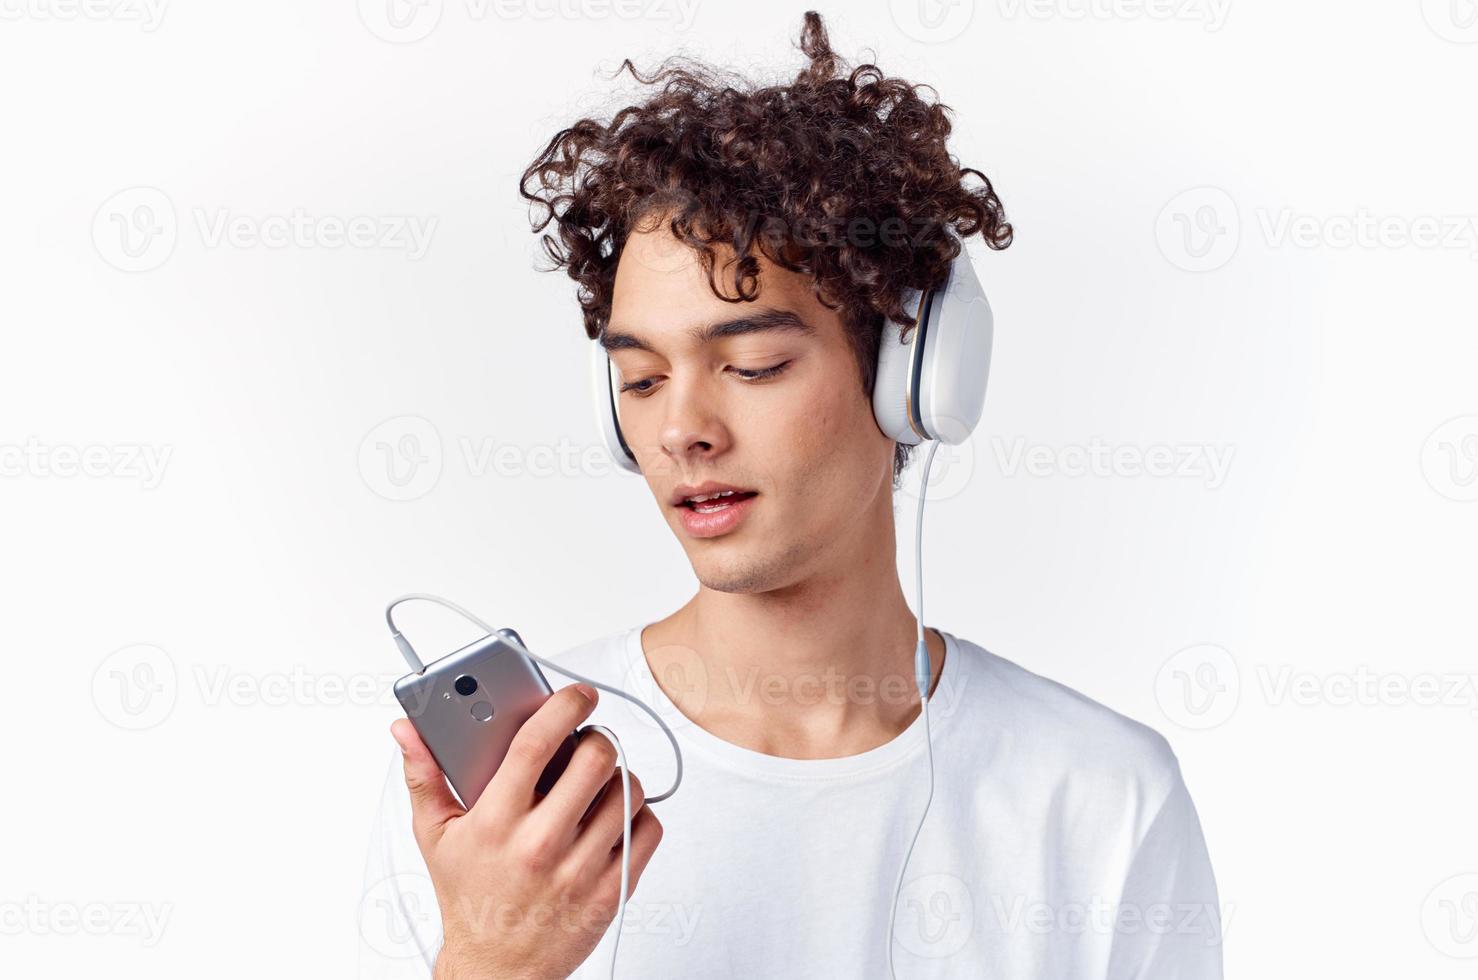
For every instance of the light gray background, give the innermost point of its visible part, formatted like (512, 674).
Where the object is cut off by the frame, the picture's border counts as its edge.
(198, 697)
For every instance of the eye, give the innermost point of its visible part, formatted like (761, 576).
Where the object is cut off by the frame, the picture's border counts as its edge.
(635, 387)
(760, 374)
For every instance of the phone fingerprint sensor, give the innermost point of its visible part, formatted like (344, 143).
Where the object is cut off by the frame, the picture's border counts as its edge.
(482, 711)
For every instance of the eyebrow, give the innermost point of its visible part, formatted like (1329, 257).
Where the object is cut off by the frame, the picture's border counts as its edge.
(760, 320)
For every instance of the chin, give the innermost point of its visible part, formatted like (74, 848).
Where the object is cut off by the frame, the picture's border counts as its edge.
(749, 573)
(730, 584)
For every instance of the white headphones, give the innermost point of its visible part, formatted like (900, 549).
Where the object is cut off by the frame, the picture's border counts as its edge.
(931, 386)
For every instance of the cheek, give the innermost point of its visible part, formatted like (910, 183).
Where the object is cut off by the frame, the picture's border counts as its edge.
(814, 423)
(829, 444)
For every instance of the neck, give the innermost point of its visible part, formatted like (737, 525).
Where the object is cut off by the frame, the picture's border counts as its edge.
(820, 668)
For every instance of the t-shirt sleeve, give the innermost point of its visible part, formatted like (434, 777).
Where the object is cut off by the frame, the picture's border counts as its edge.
(398, 922)
(1168, 922)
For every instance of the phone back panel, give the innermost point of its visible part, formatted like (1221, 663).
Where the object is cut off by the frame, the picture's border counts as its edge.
(469, 734)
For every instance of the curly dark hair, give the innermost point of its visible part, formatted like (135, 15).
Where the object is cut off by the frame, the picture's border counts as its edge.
(858, 155)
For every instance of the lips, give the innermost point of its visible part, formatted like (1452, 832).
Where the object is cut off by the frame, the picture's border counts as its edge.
(711, 509)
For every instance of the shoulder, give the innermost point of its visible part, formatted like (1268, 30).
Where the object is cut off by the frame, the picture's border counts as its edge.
(603, 658)
(1051, 734)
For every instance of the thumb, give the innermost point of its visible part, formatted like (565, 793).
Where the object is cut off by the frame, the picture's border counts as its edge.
(432, 802)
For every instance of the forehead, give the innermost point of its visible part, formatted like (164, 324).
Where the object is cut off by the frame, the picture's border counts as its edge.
(662, 297)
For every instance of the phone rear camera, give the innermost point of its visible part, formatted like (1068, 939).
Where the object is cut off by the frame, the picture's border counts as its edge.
(466, 686)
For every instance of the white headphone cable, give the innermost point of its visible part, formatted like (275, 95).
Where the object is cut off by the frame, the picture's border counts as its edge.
(625, 837)
(414, 660)
(923, 670)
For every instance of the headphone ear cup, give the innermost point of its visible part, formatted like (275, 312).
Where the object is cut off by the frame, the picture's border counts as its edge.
(890, 385)
(603, 394)
(955, 361)
(933, 386)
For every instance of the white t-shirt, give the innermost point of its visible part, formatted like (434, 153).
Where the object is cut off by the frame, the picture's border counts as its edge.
(1061, 844)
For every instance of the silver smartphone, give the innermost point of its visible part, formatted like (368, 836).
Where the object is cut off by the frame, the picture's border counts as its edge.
(468, 705)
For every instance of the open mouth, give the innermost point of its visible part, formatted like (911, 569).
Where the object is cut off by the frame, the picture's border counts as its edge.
(712, 503)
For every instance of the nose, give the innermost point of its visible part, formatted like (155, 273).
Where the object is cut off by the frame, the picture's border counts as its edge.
(692, 425)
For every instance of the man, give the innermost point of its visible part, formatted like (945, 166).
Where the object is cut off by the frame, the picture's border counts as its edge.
(1060, 841)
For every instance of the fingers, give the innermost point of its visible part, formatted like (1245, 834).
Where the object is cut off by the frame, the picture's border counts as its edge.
(432, 802)
(602, 829)
(588, 770)
(646, 834)
(512, 788)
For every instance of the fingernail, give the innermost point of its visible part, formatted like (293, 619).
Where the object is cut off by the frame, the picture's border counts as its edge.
(587, 691)
(398, 743)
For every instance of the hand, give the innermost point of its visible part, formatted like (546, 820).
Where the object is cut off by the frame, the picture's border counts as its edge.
(525, 886)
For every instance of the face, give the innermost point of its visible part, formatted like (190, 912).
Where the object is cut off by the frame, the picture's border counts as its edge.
(762, 398)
